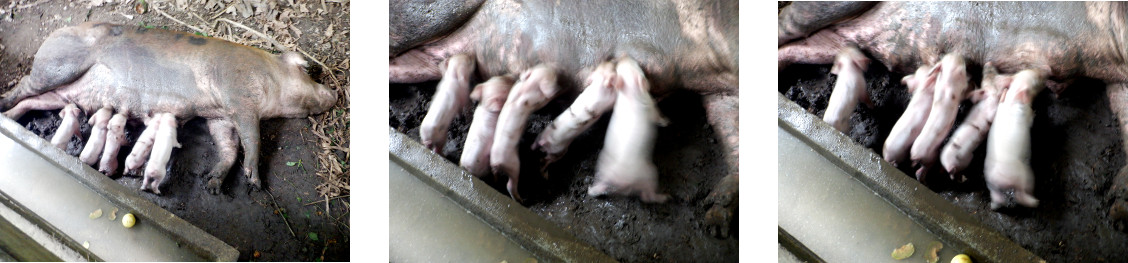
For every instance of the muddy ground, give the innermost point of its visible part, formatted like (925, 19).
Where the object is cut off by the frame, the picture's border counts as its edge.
(1076, 152)
(287, 221)
(687, 153)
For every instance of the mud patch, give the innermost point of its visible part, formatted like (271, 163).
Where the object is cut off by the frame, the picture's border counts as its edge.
(688, 155)
(1076, 151)
(287, 221)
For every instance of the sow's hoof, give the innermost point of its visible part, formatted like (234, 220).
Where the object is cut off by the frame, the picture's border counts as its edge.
(1118, 197)
(213, 185)
(719, 220)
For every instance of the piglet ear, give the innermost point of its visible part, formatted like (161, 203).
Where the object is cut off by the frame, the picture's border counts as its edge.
(294, 59)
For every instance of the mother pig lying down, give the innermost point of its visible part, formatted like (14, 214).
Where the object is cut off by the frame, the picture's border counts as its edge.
(163, 78)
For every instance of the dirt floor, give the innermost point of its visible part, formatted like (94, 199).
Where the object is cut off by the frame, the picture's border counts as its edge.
(302, 213)
(688, 156)
(1076, 151)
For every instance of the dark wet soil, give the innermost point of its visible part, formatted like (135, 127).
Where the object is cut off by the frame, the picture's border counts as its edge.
(688, 155)
(1076, 152)
(286, 221)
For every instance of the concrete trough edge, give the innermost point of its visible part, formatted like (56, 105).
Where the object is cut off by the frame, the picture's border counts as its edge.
(950, 223)
(195, 238)
(543, 239)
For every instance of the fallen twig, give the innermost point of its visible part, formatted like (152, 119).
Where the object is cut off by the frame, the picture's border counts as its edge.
(326, 200)
(162, 12)
(281, 213)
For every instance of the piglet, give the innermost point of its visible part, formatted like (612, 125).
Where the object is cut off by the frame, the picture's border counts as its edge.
(450, 99)
(908, 127)
(951, 87)
(97, 141)
(958, 153)
(162, 150)
(624, 165)
(849, 89)
(1007, 167)
(115, 138)
(68, 128)
(479, 140)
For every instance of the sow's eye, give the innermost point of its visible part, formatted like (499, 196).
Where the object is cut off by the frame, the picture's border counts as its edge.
(313, 70)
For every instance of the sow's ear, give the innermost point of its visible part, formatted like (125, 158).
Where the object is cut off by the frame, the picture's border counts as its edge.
(294, 59)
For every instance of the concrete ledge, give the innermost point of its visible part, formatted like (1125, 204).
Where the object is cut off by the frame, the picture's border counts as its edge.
(948, 222)
(156, 226)
(543, 239)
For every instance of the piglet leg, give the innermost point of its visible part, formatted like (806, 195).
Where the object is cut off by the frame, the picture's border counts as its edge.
(958, 153)
(476, 152)
(450, 98)
(1007, 167)
(908, 127)
(849, 90)
(951, 87)
(143, 146)
(97, 141)
(115, 138)
(595, 100)
(162, 150)
(534, 89)
(624, 165)
(68, 128)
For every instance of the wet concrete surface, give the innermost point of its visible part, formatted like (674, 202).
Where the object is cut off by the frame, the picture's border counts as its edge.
(687, 153)
(1076, 151)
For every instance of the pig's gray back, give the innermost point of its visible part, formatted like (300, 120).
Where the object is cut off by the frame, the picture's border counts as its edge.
(146, 70)
(1067, 38)
(672, 40)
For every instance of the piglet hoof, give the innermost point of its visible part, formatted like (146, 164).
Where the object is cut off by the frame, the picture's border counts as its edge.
(213, 185)
(1118, 197)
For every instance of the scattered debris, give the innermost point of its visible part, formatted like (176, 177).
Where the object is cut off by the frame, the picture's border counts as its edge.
(933, 251)
(96, 214)
(903, 252)
(961, 258)
(128, 220)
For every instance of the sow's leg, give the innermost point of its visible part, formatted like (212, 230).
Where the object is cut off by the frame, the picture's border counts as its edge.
(479, 140)
(115, 138)
(162, 150)
(63, 58)
(450, 98)
(47, 101)
(227, 144)
(1118, 192)
(800, 19)
(722, 112)
(535, 88)
(97, 141)
(1007, 167)
(596, 99)
(624, 165)
(141, 149)
(849, 89)
(68, 128)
